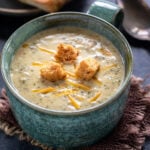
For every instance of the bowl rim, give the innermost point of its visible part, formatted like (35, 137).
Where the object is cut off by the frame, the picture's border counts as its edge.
(33, 106)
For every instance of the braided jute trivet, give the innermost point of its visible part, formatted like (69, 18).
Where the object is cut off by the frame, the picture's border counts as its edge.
(129, 134)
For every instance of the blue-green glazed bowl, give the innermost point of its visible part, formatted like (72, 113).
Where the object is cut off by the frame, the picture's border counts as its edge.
(58, 128)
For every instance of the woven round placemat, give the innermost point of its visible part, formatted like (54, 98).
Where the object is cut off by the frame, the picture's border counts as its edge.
(129, 134)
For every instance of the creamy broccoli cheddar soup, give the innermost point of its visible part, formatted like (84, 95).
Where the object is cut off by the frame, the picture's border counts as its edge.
(67, 69)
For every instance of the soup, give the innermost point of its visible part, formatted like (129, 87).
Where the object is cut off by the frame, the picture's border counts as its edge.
(67, 69)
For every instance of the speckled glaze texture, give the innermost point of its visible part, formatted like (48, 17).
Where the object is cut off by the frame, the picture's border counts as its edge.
(67, 129)
(108, 11)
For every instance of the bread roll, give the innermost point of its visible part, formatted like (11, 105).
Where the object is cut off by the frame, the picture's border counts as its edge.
(46, 5)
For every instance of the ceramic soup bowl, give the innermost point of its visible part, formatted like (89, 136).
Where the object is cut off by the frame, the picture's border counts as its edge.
(83, 127)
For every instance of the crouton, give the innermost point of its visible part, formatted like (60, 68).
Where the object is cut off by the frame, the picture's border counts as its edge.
(87, 69)
(66, 53)
(52, 71)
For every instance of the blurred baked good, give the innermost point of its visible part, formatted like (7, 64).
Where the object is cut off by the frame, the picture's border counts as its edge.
(46, 5)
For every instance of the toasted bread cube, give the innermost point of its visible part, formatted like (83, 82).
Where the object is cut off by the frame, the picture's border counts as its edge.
(87, 68)
(52, 71)
(66, 53)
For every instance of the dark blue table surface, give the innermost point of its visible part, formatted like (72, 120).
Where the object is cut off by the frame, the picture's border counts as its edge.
(140, 49)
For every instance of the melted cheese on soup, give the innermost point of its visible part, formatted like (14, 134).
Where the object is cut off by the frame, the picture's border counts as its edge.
(70, 93)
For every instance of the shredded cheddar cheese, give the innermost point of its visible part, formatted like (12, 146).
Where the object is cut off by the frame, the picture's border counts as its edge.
(97, 81)
(79, 97)
(74, 102)
(44, 90)
(37, 64)
(66, 92)
(94, 98)
(46, 50)
(71, 74)
(78, 85)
